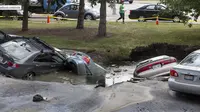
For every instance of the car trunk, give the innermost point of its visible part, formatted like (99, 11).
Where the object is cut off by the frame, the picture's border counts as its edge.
(188, 74)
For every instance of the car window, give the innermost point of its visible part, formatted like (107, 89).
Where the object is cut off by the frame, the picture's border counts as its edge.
(150, 7)
(74, 7)
(56, 58)
(18, 50)
(192, 60)
(160, 7)
(48, 57)
(65, 8)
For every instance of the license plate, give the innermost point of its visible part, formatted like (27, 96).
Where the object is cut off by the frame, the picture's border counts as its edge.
(189, 77)
(156, 66)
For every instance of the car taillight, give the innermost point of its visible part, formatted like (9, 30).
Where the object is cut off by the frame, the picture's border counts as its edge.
(130, 11)
(169, 61)
(173, 73)
(144, 69)
(10, 64)
(74, 53)
(86, 59)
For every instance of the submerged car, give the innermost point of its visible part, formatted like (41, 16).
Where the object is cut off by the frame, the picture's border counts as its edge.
(185, 77)
(23, 57)
(71, 11)
(150, 12)
(156, 66)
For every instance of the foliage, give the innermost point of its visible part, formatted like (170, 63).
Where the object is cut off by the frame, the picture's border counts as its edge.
(188, 6)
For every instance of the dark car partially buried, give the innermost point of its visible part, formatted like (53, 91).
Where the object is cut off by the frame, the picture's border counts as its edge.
(25, 58)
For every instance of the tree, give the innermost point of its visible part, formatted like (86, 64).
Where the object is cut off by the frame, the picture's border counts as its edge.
(188, 6)
(25, 15)
(102, 23)
(80, 22)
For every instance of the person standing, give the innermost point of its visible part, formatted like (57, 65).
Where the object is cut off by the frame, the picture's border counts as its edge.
(121, 12)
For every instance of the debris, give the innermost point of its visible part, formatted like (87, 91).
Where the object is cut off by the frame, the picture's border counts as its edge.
(113, 65)
(101, 83)
(117, 70)
(125, 70)
(39, 98)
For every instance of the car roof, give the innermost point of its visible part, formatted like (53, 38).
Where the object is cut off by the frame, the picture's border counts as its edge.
(38, 44)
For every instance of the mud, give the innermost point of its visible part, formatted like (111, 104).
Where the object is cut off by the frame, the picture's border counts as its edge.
(156, 49)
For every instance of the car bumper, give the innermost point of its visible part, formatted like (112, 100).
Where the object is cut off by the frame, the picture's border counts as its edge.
(12, 72)
(183, 87)
(96, 17)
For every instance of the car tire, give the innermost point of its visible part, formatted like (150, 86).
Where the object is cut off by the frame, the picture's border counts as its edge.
(176, 19)
(130, 2)
(89, 17)
(59, 17)
(141, 19)
(29, 76)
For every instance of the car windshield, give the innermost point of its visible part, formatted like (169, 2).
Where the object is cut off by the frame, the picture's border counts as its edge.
(18, 49)
(192, 60)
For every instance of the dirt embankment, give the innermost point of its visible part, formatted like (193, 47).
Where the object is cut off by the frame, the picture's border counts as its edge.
(156, 49)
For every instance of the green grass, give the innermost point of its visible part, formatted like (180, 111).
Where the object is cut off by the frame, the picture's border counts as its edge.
(120, 40)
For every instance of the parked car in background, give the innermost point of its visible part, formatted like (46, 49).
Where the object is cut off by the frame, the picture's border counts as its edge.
(156, 66)
(185, 77)
(23, 57)
(71, 11)
(14, 14)
(129, 1)
(146, 12)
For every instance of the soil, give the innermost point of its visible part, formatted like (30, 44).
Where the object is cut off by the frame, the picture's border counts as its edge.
(156, 49)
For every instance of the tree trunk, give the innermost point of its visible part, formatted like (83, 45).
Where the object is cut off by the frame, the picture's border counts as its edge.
(102, 22)
(80, 22)
(25, 16)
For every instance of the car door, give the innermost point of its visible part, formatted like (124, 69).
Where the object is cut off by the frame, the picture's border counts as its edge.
(47, 62)
(42, 64)
(150, 11)
(161, 11)
(66, 11)
(74, 10)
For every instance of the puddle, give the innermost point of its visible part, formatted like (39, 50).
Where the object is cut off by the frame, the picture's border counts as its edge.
(119, 77)
(62, 77)
(111, 78)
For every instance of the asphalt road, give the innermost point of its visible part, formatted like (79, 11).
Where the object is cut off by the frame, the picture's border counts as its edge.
(164, 100)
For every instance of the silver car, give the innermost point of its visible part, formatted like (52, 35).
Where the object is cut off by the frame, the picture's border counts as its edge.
(72, 10)
(185, 77)
(156, 66)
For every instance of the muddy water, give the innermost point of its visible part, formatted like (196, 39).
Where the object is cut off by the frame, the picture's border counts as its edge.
(119, 74)
(115, 75)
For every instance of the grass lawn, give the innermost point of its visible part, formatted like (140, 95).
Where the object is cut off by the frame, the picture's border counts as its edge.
(120, 40)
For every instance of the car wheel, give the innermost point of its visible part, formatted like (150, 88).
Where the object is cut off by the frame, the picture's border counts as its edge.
(176, 19)
(89, 17)
(59, 17)
(141, 19)
(28, 76)
(130, 2)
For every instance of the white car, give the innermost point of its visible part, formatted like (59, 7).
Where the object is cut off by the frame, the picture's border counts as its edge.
(156, 66)
(185, 77)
